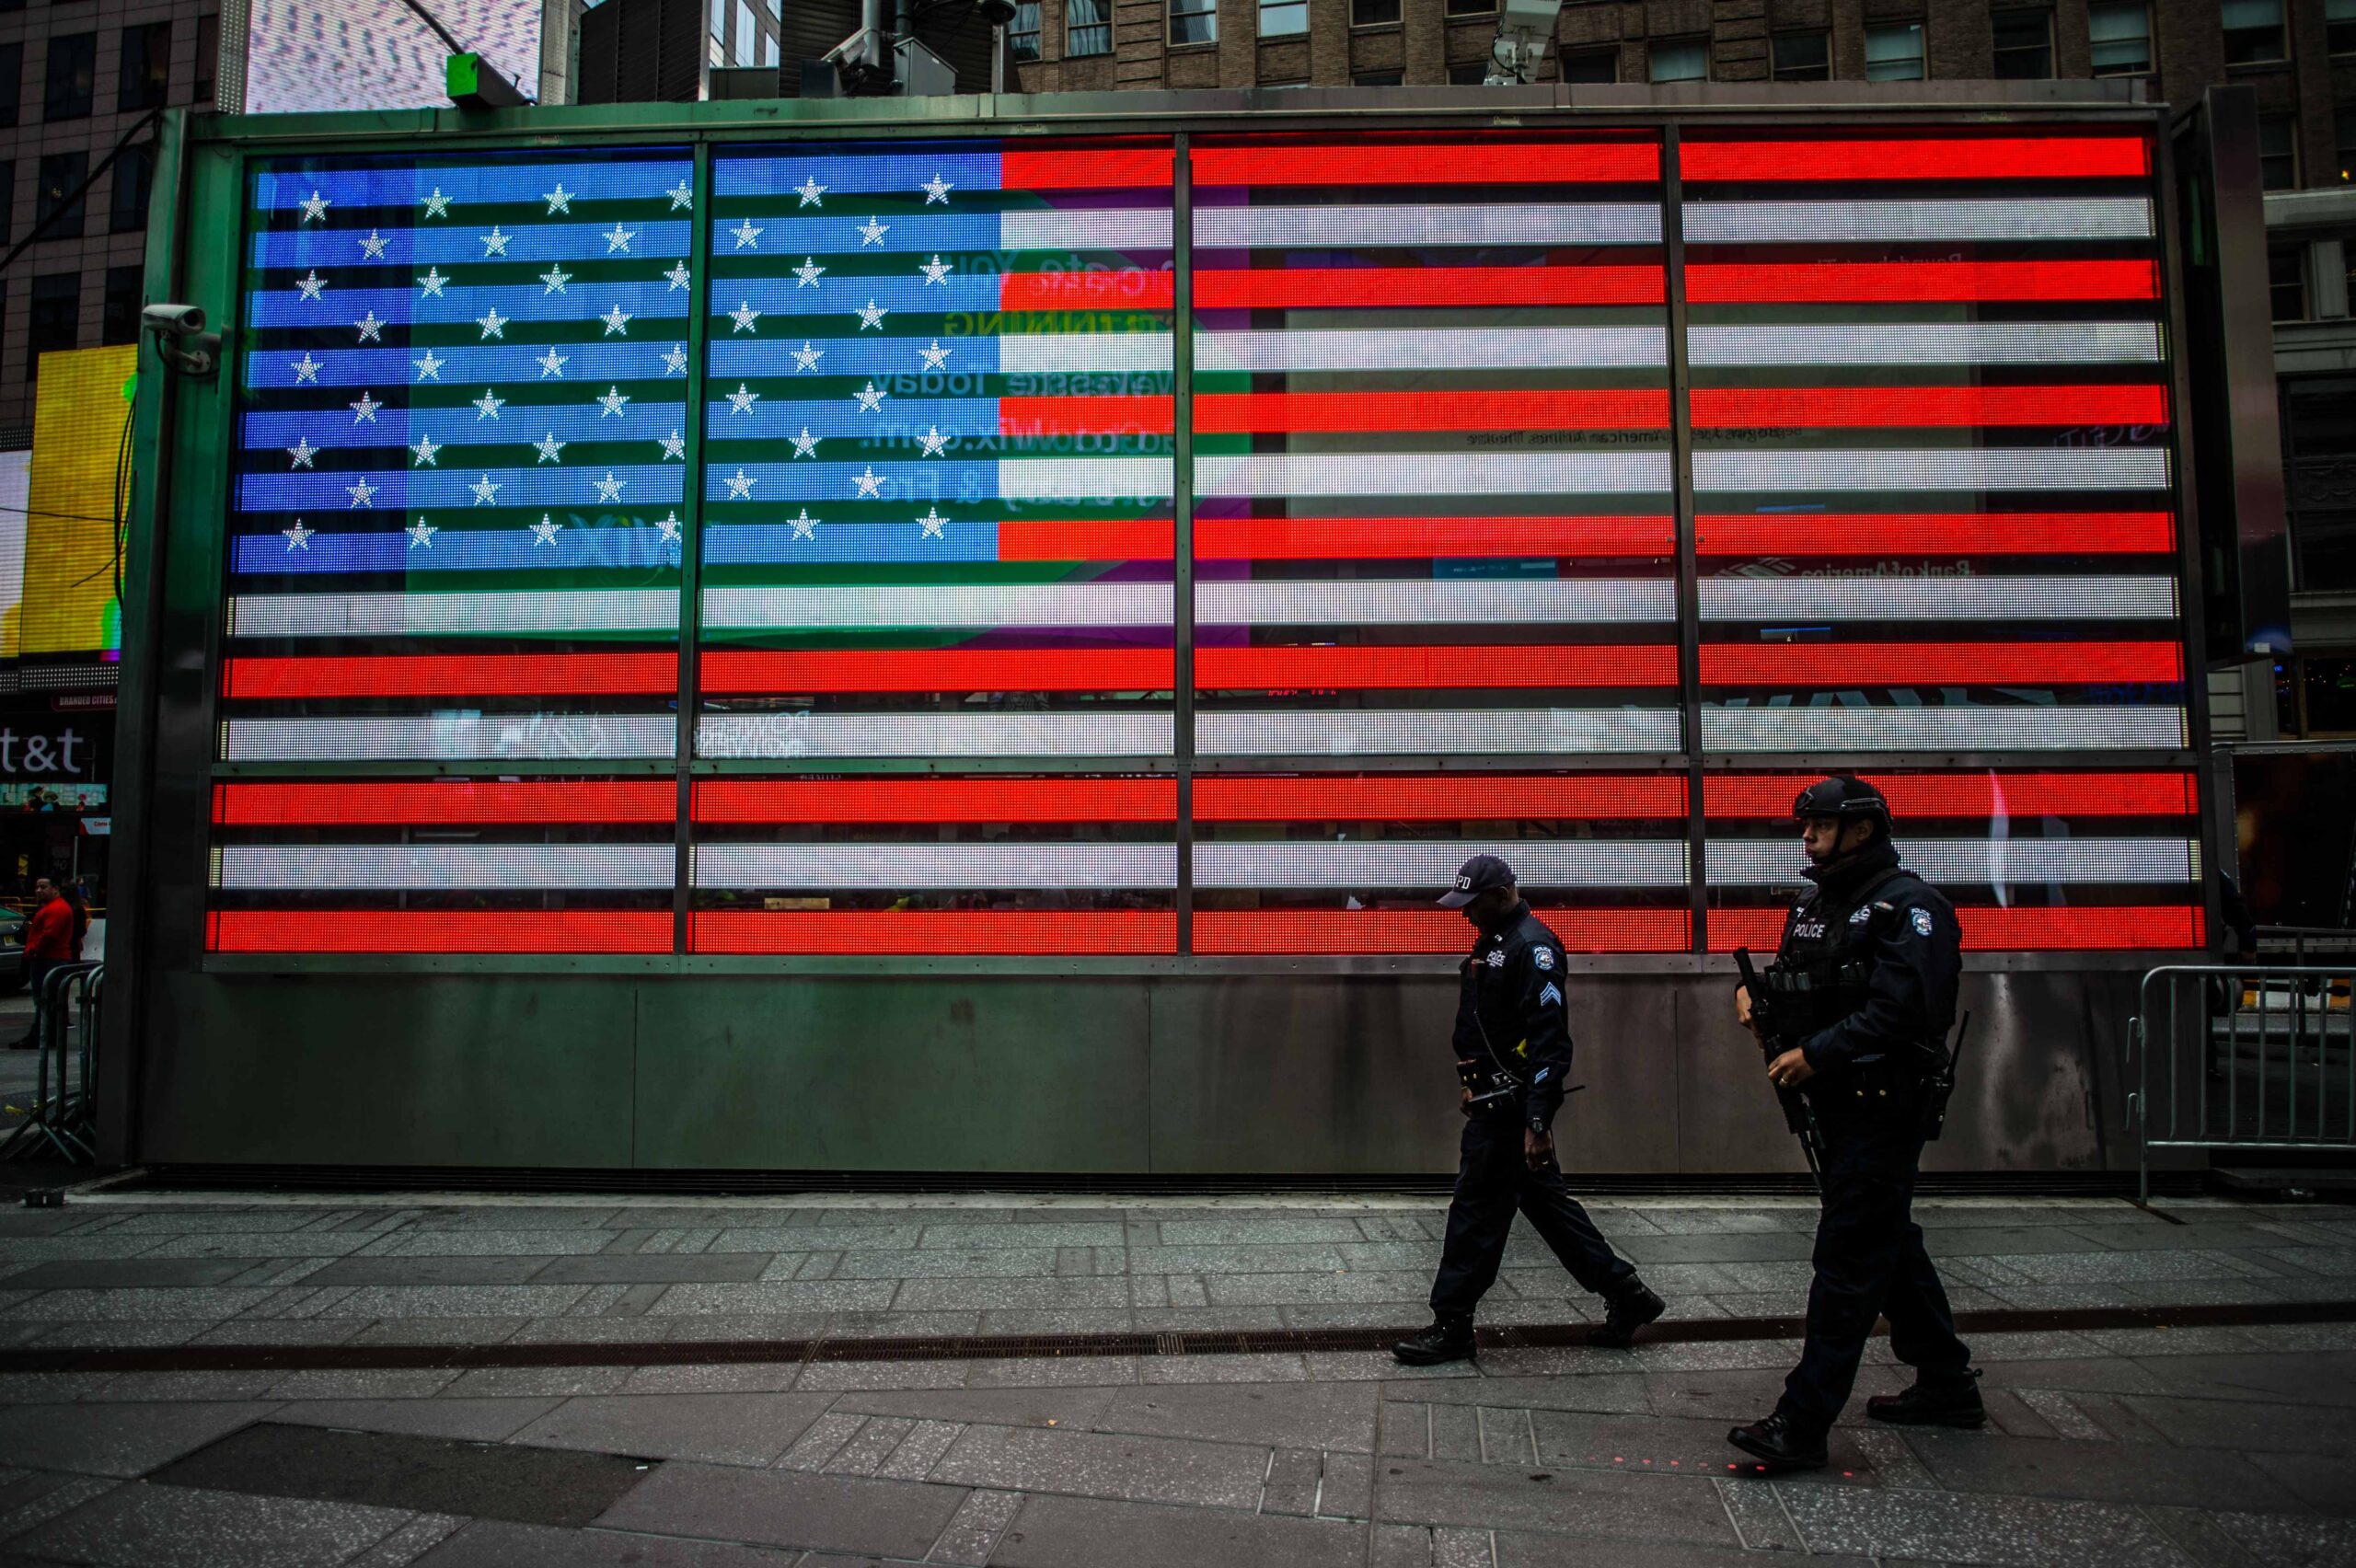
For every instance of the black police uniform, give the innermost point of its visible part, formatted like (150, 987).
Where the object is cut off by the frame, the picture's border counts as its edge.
(1866, 976)
(1510, 1027)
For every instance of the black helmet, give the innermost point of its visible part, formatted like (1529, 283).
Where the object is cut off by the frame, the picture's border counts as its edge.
(1843, 796)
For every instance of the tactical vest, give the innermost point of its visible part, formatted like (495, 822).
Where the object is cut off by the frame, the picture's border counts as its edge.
(1824, 970)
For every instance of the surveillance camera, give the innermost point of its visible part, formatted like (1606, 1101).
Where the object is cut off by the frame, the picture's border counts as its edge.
(996, 13)
(173, 320)
(181, 340)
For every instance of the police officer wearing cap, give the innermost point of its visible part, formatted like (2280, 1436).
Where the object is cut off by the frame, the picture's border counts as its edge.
(1513, 1051)
(1862, 994)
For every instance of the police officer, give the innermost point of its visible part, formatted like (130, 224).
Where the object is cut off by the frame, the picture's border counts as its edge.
(1862, 994)
(1513, 1051)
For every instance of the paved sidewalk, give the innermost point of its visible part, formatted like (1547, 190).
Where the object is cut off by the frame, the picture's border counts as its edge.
(2184, 1447)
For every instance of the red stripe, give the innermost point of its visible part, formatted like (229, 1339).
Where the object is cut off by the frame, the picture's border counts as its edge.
(1436, 930)
(1986, 930)
(1970, 794)
(453, 674)
(1989, 157)
(1965, 532)
(1131, 288)
(438, 930)
(1085, 416)
(1235, 412)
(1273, 288)
(1964, 664)
(1148, 539)
(1836, 282)
(1453, 668)
(934, 931)
(1373, 162)
(1473, 797)
(1419, 538)
(437, 801)
(827, 800)
(1719, 408)
(944, 669)
(1085, 168)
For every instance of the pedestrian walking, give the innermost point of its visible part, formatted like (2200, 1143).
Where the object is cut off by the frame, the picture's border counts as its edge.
(49, 942)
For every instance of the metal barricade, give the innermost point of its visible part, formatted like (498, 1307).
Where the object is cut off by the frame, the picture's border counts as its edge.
(59, 1122)
(2255, 1055)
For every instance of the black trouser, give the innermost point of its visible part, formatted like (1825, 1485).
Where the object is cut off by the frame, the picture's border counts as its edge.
(1870, 1258)
(1493, 1180)
(36, 971)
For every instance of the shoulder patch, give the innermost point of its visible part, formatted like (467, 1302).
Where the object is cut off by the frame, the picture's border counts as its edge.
(1922, 922)
(1542, 957)
(1550, 995)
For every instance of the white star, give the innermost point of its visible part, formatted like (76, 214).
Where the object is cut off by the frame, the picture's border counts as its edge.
(493, 324)
(670, 527)
(806, 358)
(424, 450)
(545, 531)
(556, 278)
(810, 190)
(547, 446)
(935, 270)
(306, 369)
(679, 276)
(302, 452)
(436, 205)
(618, 238)
(420, 533)
(432, 281)
(931, 523)
(873, 315)
(934, 443)
(868, 481)
(430, 367)
(805, 444)
(871, 233)
(744, 316)
(495, 243)
(360, 494)
(612, 402)
(681, 197)
(809, 273)
(311, 283)
(484, 491)
(936, 357)
(559, 200)
(552, 364)
(804, 525)
(364, 410)
(610, 489)
(616, 320)
(871, 398)
(739, 487)
(487, 407)
(315, 209)
(298, 537)
(676, 446)
(675, 359)
(741, 401)
(371, 330)
(745, 233)
(936, 189)
(373, 247)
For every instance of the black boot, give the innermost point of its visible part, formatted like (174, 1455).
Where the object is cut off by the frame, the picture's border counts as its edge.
(1778, 1444)
(1945, 1402)
(1624, 1313)
(1444, 1341)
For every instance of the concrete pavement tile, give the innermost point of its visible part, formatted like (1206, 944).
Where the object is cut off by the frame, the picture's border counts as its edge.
(2326, 1378)
(700, 1326)
(1071, 1409)
(627, 1331)
(1732, 1394)
(2319, 1481)
(1655, 1507)
(1654, 1445)
(840, 1376)
(1506, 1438)
(1734, 1222)
(807, 1239)
(987, 1295)
(2244, 1425)
(2108, 1373)
(486, 1269)
(189, 1385)
(1135, 1469)
(2112, 1268)
(2048, 1345)
(1707, 1355)
(354, 1383)
(1269, 1231)
(36, 1497)
(439, 1331)
(1291, 1483)
(2218, 1340)
(1032, 1233)
(869, 1446)
(1319, 1289)
(1057, 1320)
(2097, 1471)
(1463, 1549)
(204, 1304)
(1079, 1532)
(1758, 1515)
(53, 1387)
(922, 1445)
(650, 1268)
(104, 1274)
(1404, 1317)
(2202, 1538)
(775, 1295)
(116, 1440)
(1398, 1546)
(177, 1526)
(1945, 1242)
(1623, 1391)
(1215, 1320)
(1456, 1432)
(215, 1221)
(1377, 1365)
(2013, 1416)
(826, 1513)
(1761, 1245)
(1267, 1259)
(412, 1542)
(1086, 1371)
(823, 1440)
(2053, 1408)
(975, 1529)
(2295, 1339)
(895, 1325)
(1339, 1416)
(516, 1216)
(1893, 1463)
(1286, 1367)
(726, 1429)
(483, 1243)
(455, 1301)
(276, 1331)
(1404, 1429)
(1345, 1486)
(2119, 1423)
(555, 1382)
(945, 1263)
(1516, 1550)
(473, 1420)
(723, 1377)
(2009, 1532)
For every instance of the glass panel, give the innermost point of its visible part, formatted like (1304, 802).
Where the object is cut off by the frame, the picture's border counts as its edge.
(2253, 32)
(1023, 33)
(1090, 23)
(1894, 52)
(1594, 67)
(1470, 8)
(2024, 45)
(2278, 152)
(1685, 60)
(2340, 26)
(2319, 477)
(1194, 21)
(2122, 38)
(1802, 57)
(1373, 13)
(1283, 18)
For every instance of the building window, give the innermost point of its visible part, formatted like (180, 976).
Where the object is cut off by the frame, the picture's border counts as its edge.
(1802, 57)
(8, 200)
(2318, 445)
(2254, 32)
(2277, 151)
(2343, 136)
(1088, 28)
(1468, 73)
(1283, 18)
(57, 317)
(145, 80)
(73, 75)
(2286, 280)
(120, 323)
(1894, 52)
(1192, 21)
(1470, 8)
(1373, 13)
(1595, 68)
(768, 50)
(12, 76)
(2122, 38)
(134, 173)
(2340, 26)
(1023, 33)
(61, 177)
(1679, 60)
(1377, 79)
(208, 55)
(2024, 45)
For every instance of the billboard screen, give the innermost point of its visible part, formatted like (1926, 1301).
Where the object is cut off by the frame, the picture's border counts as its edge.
(324, 55)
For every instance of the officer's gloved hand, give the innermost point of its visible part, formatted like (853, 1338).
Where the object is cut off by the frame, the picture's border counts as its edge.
(1465, 1105)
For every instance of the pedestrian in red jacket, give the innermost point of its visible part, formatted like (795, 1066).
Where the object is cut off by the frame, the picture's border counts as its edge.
(49, 942)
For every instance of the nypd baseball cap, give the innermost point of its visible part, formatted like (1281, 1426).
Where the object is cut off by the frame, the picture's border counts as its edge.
(1477, 876)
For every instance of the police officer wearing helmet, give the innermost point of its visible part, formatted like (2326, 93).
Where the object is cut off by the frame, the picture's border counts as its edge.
(1861, 997)
(1513, 1051)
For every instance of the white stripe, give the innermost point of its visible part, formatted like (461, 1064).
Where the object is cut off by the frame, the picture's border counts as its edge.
(1431, 474)
(1928, 342)
(1942, 729)
(1580, 863)
(1471, 222)
(1962, 468)
(1743, 862)
(1472, 348)
(504, 867)
(1046, 353)
(449, 737)
(859, 606)
(1432, 732)
(1082, 229)
(897, 866)
(790, 735)
(1100, 479)
(2083, 217)
(436, 615)
(1407, 601)
(1938, 598)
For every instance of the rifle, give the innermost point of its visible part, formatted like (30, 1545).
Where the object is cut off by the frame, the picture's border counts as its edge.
(1941, 1084)
(1799, 1115)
